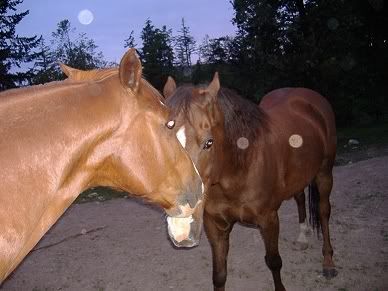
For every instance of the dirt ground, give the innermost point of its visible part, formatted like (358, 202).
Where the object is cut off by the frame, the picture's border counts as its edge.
(122, 244)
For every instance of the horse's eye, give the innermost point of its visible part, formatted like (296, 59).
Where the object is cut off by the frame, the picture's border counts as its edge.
(208, 144)
(170, 124)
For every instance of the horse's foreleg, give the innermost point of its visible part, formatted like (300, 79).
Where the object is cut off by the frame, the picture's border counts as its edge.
(217, 232)
(324, 181)
(300, 200)
(270, 232)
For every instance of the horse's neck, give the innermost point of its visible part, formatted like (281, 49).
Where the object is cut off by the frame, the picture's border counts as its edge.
(47, 158)
(241, 156)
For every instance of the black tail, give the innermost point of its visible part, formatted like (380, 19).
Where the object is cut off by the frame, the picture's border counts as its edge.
(314, 220)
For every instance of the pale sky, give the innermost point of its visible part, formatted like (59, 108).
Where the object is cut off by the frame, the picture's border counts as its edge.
(113, 20)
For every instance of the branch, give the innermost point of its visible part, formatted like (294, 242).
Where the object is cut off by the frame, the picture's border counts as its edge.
(68, 238)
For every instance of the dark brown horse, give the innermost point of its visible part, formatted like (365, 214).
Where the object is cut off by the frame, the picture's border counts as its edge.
(65, 137)
(300, 198)
(253, 158)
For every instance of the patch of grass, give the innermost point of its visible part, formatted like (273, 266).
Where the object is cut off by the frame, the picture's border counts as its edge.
(99, 194)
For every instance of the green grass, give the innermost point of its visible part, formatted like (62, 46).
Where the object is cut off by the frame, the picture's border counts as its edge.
(99, 194)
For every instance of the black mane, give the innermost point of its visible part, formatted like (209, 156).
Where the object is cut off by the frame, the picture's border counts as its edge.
(243, 118)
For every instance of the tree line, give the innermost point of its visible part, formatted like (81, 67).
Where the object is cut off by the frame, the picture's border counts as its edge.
(336, 47)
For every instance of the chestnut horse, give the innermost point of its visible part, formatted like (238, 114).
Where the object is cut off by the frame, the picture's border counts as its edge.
(64, 137)
(81, 75)
(253, 158)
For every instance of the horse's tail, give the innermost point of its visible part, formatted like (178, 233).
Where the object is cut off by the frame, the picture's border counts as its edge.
(314, 220)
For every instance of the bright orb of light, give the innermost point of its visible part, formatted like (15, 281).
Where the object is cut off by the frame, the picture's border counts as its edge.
(243, 143)
(85, 17)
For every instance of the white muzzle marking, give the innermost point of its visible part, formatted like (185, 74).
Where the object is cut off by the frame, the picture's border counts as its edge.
(179, 227)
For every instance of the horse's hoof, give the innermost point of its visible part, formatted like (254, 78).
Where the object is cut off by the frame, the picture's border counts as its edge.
(309, 230)
(329, 273)
(301, 246)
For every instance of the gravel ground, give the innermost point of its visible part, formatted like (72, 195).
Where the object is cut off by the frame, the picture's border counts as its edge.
(122, 244)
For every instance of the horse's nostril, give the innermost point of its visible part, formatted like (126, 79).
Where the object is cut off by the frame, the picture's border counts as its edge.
(189, 198)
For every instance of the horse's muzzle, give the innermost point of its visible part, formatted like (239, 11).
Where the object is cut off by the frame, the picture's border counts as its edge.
(186, 231)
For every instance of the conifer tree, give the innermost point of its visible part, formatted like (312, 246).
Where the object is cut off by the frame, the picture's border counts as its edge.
(15, 50)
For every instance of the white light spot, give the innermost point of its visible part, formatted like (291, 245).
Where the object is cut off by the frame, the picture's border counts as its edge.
(171, 123)
(181, 136)
(295, 141)
(243, 143)
(85, 17)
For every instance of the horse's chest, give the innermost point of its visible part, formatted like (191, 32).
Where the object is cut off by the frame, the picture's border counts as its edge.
(239, 205)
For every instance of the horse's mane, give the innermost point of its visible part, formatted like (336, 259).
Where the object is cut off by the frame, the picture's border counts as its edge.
(242, 117)
(101, 74)
(12, 95)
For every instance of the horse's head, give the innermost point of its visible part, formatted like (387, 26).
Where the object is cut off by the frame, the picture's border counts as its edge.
(148, 159)
(198, 117)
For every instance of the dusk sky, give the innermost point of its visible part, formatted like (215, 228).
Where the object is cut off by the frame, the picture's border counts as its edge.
(112, 21)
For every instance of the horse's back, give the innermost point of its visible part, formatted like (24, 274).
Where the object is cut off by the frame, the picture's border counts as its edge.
(303, 105)
(303, 126)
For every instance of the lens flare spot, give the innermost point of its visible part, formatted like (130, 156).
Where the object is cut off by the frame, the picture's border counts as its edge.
(295, 141)
(85, 17)
(243, 143)
(332, 23)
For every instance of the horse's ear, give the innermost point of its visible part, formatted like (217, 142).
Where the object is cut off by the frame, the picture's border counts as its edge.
(130, 70)
(213, 88)
(68, 71)
(169, 87)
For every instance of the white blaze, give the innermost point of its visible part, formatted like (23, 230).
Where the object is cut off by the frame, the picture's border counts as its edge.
(181, 136)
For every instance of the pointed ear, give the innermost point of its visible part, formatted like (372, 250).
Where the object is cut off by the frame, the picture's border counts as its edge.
(130, 70)
(169, 88)
(68, 71)
(213, 87)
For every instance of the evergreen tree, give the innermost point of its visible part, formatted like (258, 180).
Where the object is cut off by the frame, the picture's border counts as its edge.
(332, 45)
(130, 41)
(185, 46)
(259, 34)
(15, 51)
(44, 69)
(78, 52)
(216, 50)
(157, 54)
